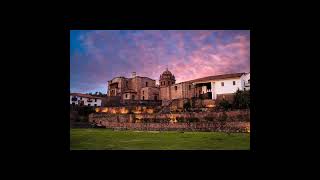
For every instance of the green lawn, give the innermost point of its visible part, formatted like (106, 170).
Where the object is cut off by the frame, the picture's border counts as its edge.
(104, 139)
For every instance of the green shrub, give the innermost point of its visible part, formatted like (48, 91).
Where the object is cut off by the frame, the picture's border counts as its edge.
(180, 119)
(224, 104)
(241, 100)
(187, 106)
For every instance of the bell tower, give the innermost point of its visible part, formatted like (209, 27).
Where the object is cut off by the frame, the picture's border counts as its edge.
(167, 79)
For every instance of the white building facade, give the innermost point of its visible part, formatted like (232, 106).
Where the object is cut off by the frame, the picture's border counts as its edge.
(225, 84)
(85, 100)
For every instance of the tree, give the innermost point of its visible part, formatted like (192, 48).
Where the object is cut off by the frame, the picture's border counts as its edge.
(187, 106)
(224, 104)
(241, 100)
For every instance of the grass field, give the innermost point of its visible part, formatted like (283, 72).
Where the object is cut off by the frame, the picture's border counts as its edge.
(104, 139)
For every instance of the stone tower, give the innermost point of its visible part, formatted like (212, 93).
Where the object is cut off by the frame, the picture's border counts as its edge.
(167, 79)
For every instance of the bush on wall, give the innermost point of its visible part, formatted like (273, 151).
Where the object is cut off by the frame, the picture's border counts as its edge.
(224, 104)
(241, 100)
(187, 106)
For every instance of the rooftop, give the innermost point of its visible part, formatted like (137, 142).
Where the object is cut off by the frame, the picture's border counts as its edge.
(85, 95)
(218, 77)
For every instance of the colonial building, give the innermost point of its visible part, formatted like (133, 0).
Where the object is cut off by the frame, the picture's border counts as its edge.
(85, 100)
(144, 88)
(134, 88)
(210, 87)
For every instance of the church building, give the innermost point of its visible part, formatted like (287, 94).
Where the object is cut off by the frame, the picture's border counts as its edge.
(144, 88)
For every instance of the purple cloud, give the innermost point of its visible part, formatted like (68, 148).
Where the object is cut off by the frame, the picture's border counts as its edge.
(99, 56)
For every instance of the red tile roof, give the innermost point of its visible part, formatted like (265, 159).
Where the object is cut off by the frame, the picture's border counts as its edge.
(218, 77)
(85, 95)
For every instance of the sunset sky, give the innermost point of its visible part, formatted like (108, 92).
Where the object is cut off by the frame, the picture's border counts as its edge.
(98, 56)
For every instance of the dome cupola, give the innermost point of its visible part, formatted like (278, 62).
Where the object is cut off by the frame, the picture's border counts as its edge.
(167, 78)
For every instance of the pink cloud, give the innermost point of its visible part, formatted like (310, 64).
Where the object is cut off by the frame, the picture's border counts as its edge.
(149, 53)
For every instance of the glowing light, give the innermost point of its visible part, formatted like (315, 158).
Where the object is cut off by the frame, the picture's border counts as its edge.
(137, 112)
(124, 111)
(113, 111)
(150, 111)
(105, 110)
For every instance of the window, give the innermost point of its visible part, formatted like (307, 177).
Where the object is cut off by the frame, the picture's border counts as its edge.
(95, 105)
(249, 81)
(127, 83)
(222, 83)
(199, 92)
(175, 87)
(142, 97)
(156, 97)
(146, 84)
(126, 95)
(88, 104)
(80, 98)
(95, 100)
(244, 88)
(132, 96)
(164, 83)
(234, 83)
(189, 87)
(142, 92)
(168, 82)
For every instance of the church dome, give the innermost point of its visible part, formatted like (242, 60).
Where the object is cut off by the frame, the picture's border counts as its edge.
(167, 72)
(167, 75)
(167, 78)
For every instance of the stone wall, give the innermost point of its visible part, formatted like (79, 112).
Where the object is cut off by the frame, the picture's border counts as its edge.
(240, 115)
(177, 104)
(149, 93)
(112, 101)
(183, 91)
(206, 121)
(201, 126)
(126, 110)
